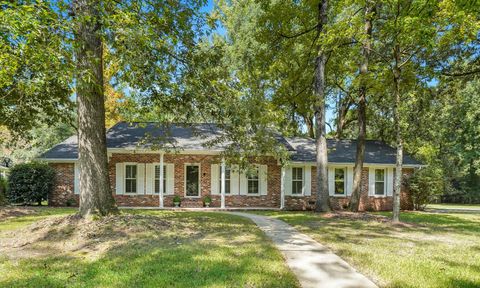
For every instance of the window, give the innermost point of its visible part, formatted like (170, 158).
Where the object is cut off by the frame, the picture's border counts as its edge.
(297, 180)
(339, 181)
(130, 178)
(379, 181)
(157, 178)
(192, 180)
(252, 182)
(227, 180)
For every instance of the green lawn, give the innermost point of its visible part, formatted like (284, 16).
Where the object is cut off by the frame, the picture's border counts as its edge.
(188, 249)
(454, 206)
(431, 250)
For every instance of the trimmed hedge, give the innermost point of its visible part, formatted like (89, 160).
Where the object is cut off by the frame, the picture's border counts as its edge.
(3, 191)
(30, 183)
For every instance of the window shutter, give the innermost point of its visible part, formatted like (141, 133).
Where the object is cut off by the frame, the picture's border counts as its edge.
(389, 182)
(288, 181)
(215, 179)
(307, 182)
(349, 180)
(371, 181)
(263, 177)
(119, 178)
(150, 178)
(234, 180)
(169, 190)
(141, 178)
(243, 183)
(76, 179)
(331, 181)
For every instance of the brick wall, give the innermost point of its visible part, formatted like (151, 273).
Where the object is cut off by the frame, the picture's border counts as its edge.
(65, 178)
(366, 202)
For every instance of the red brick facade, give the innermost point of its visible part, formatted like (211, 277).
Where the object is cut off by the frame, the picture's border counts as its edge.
(64, 187)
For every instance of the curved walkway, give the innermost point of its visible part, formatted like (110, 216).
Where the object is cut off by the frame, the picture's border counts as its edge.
(313, 264)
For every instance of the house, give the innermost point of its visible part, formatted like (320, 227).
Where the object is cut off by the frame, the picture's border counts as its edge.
(142, 176)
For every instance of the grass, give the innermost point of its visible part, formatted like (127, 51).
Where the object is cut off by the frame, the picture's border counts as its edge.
(454, 206)
(27, 216)
(196, 249)
(430, 250)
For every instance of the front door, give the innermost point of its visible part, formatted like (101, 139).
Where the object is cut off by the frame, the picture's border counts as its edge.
(192, 181)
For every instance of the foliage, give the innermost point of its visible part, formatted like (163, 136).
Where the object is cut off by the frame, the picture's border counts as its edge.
(3, 191)
(177, 199)
(30, 182)
(207, 199)
(425, 185)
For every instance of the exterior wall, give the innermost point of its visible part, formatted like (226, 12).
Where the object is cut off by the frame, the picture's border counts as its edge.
(63, 189)
(367, 203)
(64, 183)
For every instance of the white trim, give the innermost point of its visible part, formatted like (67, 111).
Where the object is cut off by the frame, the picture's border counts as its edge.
(125, 178)
(345, 193)
(162, 189)
(76, 181)
(282, 188)
(222, 184)
(185, 179)
(385, 171)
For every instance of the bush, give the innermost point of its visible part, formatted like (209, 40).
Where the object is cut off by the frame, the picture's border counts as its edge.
(3, 191)
(426, 184)
(30, 183)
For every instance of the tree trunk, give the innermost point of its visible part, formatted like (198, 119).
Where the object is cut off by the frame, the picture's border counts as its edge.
(95, 193)
(362, 107)
(323, 201)
(396, 116)
(310, 126)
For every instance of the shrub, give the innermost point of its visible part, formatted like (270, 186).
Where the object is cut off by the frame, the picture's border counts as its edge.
(176, 199)
(30, 183)
(425, 185)
(207, 200)
(3, 191)
(71, 202)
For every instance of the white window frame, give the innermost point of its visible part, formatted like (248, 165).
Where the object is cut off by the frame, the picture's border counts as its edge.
(199, 179)
(155, 192)
(125, 178)
(344, 181)
(296, 180)
(384, 182)
(253, 179)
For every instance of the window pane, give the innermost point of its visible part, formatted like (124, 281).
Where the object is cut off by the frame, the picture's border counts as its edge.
(297, 187)
(192, 181)
(252, 187)
(157, 186)
(379, 188)
(339, 174)
(339, 187)
(131, 186)
(227, 180)
(379, 175)
(227, 186)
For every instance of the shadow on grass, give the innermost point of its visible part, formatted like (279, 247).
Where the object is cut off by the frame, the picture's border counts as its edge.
(220, 251)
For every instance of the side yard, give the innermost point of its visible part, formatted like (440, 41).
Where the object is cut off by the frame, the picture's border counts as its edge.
(429, 250)
(137, 249)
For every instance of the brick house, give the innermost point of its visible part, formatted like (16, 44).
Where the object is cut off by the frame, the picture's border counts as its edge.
(144, 177)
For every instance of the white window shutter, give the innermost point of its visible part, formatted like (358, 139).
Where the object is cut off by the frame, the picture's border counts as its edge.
(141, 178)
(215, 179)
(288, 180)
(349, 180)
(119, 178)
(169, 190)
(150, 178)
(243, 183)
(263, 176)
(331, 181)
(371, 181)
(307, 182)
(76, 181)
(389, 182)
(234, 180)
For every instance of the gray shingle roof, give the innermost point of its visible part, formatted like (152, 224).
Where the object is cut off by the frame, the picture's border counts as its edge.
(199, 137)
(344, 151)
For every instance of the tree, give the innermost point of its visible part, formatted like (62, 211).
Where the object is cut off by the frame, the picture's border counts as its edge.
(30, 183)
(362, 99)
(95, 193)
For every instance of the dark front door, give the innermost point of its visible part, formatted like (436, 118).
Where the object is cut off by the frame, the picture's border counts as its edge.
(192, 180)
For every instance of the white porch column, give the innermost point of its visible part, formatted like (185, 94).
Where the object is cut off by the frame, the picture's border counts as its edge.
(160, 195)
(282, 189)
(222, 185)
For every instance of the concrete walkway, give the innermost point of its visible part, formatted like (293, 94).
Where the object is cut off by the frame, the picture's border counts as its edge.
(313, 264)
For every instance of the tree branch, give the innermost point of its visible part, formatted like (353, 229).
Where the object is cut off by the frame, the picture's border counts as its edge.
(298, 34)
